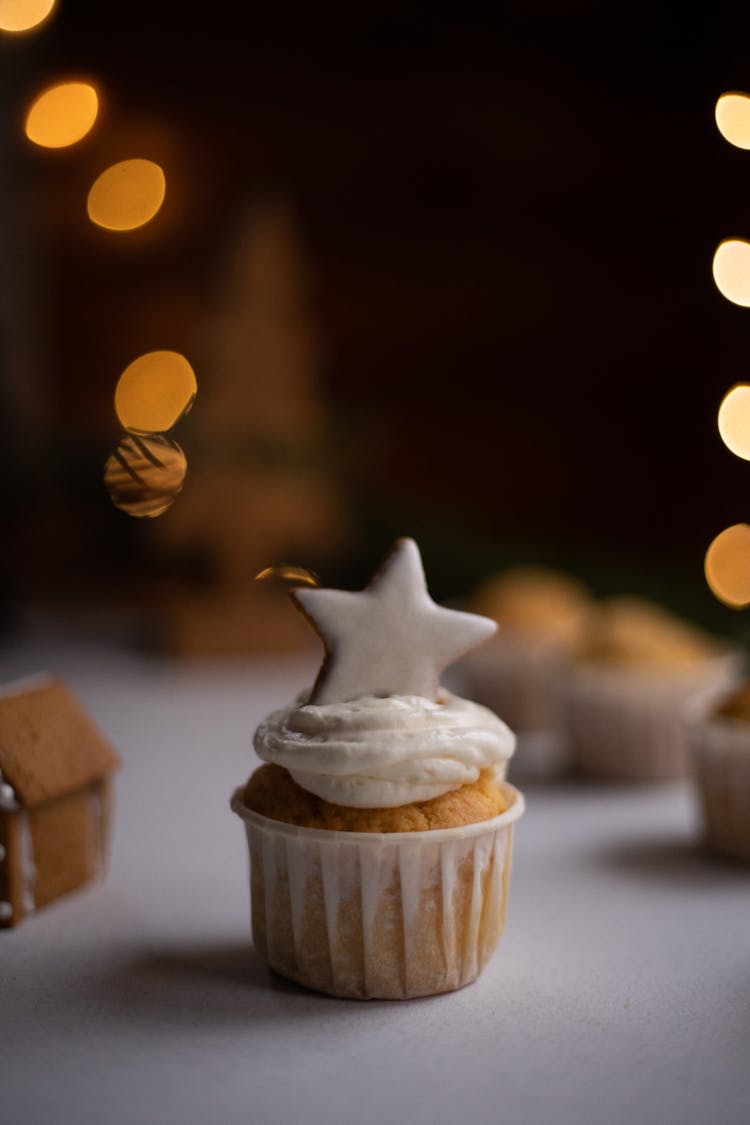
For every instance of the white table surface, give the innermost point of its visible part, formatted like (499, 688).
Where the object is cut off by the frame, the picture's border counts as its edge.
(620, 991)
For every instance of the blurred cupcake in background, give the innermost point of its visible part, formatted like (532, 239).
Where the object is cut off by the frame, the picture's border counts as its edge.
(641, 674)
(544, 617)
(720, 757)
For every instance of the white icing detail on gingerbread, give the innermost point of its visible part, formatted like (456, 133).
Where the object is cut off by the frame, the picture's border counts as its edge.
(8, 800)
(96, 842)
(381, 753)
(26, 863)
(390, 638)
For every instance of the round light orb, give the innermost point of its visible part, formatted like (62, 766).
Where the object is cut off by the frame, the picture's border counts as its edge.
(144, 475)
(733, 119)
(154, 392)
(727, 566)
(62, 114)
(23, 15)
(731, 270)
(126, 195)
(734, 420)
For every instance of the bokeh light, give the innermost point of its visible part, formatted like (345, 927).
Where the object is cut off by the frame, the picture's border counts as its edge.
(734, 420)
(144, 475)
(731, 269)
(727, 566)
(293, 575)
(154, 392)
(22, 15)
(127, 195)
(62, 114)
(733, 119)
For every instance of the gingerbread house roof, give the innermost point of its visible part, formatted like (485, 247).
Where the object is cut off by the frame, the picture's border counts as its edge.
(48, 744)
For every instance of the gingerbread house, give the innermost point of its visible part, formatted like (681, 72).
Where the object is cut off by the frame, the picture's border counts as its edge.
(55, 796)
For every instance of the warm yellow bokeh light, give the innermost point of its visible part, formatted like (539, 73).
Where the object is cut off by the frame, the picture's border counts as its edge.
(144, 475)
(294, 575)
(734, 420)
(154, 392)
(727, 566)
(127, 195)
(22, 15)
(62, 114)
(733, 119)
(731, 268)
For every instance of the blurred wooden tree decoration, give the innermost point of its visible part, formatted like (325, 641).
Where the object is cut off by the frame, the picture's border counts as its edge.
(261, 488)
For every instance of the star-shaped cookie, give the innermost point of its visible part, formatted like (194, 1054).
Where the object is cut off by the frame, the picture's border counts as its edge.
(390, 638)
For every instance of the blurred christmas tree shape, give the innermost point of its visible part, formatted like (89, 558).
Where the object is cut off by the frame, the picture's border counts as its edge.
(262, 487)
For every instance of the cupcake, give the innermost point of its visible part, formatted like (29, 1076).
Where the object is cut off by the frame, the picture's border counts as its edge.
(543, 616)
(641, 673)
(380, 825)
(720, 754)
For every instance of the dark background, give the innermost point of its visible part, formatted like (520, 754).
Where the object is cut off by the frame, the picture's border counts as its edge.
(510, 221)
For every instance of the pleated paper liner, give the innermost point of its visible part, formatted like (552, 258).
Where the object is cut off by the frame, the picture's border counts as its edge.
(720, 756)
(379, 915)
(522, 681)
(625, 724)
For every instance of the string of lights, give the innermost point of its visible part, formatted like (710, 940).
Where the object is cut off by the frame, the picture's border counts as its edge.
(146, 470)
(727, 561)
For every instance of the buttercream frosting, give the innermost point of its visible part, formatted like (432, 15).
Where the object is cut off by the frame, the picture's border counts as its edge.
(382, 752)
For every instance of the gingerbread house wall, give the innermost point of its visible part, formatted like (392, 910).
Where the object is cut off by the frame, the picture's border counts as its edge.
(52, 849)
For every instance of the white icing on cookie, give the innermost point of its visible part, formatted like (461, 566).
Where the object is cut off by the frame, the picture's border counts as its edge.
(8, 800)
(381, 753)
(26, 862)
(390, 638)
(97, 843)
(9, 803)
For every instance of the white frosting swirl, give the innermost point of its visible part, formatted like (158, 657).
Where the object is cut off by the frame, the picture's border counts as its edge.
(383, 752)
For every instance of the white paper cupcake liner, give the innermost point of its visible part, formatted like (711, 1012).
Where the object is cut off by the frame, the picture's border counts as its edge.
(626, 725)
(519, 679)
(379, 915)
(523, 682)
(720, 755)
